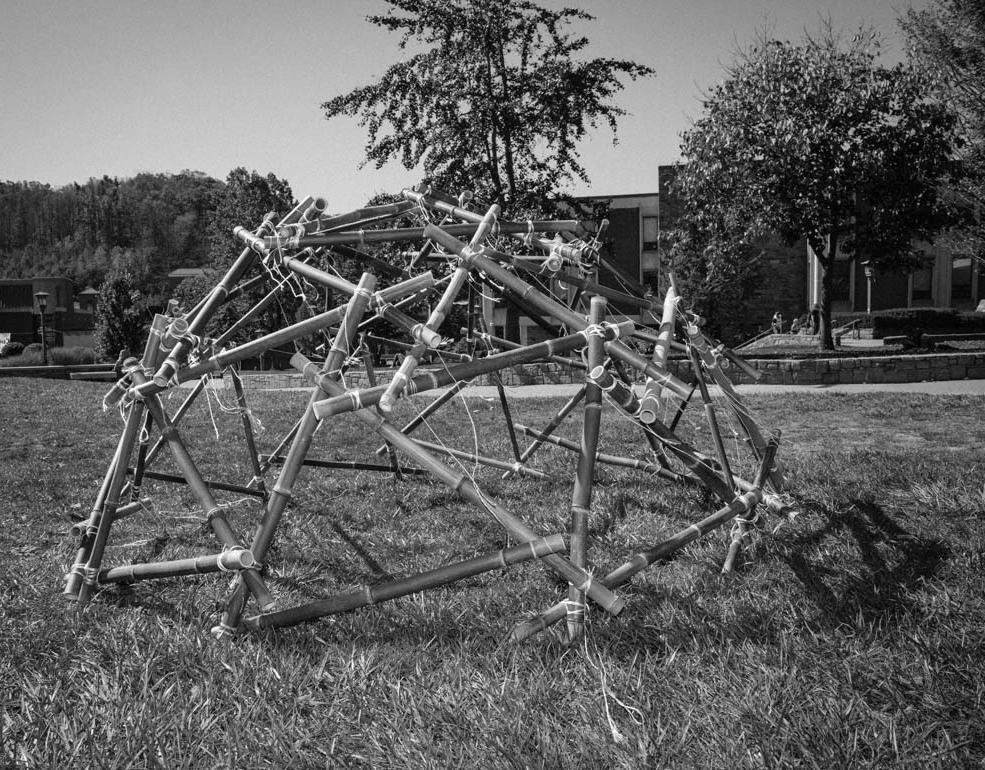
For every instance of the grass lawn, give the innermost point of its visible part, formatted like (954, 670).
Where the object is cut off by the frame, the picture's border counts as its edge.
(854, 637)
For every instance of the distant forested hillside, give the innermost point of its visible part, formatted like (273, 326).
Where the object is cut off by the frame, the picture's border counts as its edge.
(149, 224)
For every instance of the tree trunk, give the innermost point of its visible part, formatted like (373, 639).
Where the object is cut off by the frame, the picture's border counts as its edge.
(826, 259)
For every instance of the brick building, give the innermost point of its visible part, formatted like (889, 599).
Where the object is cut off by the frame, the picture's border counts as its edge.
(69, 318)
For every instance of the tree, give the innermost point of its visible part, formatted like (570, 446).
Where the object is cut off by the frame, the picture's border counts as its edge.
(817, 141)
(947, 43)
(121, 315)
(496, 101)
(243, 201)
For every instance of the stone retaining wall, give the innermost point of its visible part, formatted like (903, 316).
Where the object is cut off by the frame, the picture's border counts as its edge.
(818, 371)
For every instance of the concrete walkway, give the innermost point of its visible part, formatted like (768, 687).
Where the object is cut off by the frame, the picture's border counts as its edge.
(940, 388)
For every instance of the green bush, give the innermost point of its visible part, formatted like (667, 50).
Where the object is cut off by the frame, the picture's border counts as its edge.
(31, 356)
(916, 321)
(11, 349)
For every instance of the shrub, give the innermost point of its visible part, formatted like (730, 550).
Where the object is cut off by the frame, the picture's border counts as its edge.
(916, 321)
(11, 349)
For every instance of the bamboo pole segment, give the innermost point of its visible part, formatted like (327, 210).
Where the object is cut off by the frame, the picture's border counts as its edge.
(654, 469)
(498, 273)
(581, 495)
(749, 426)
(227, 561)
(228, 357)
(283, 489)
(367, 595)
(430, 409)
(503, 401)
(207, 308)
(712, 420)
(464, 486)
(437, 316)
(545, 434)
(743, 503)
(214, 513)
(499, 342)
(618, 391)
(81, 580)
(649, 405)
(586, 286)
(266, 244)
(79, 528)
(326, 222)
(481, 460)
(692, 460)
(348, 465)
(247, 417)
(367, 356)
(360, 399)
(223, 486)
(276, 455)
(132, 491)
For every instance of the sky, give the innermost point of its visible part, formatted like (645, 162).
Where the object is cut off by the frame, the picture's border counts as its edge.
(118, 87)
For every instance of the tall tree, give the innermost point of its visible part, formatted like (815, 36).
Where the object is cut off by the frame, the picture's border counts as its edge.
(947, 42)
(818, 141)
(121, 315)
(495, 101)
(243, 202)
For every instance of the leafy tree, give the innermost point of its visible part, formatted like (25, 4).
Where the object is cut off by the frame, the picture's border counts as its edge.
(121, 315)
(718, 275)
(947, 42)
(817, 141)
(494, 101)
(243, 201)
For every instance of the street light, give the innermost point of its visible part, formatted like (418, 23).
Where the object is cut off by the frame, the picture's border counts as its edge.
(42, 298)
(869, 278)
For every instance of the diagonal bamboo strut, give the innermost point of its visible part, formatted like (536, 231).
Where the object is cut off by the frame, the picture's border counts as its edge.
(284, 487)
(743, 503)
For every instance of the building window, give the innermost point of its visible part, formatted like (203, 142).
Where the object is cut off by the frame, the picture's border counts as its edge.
(651, 232)
(961, 278)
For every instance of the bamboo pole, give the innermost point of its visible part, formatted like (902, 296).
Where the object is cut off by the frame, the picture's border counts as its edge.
(430, 409)
(360, 399)
(228, 357)
(625, 572)
(649, 405)
(581, 496)
(348, 465)
(748, 424)
(214, 514)
(251, 446)
(654, 469)
(389, 235)
(712, 420)
(481, 460)
(438, 315)
(216, 485)
(499, 342)
(283, 489)
(81, 578)
(367, 595)
(227, 561)
(464, 486)
(545, 434)
(498, 273)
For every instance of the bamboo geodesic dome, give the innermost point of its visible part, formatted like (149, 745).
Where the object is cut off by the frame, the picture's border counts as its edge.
(547, 270)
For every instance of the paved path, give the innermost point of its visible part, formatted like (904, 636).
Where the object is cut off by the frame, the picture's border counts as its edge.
(941, 388)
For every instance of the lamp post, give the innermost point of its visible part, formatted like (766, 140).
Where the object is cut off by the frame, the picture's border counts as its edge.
(869, 275)
(42, 298)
